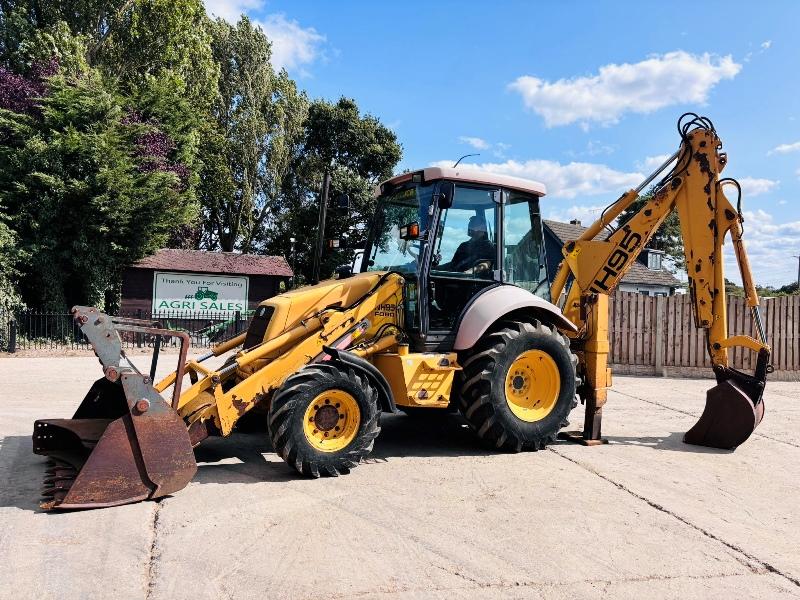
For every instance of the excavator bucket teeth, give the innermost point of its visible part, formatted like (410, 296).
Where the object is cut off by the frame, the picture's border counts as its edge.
(729, 418)
(98, 461)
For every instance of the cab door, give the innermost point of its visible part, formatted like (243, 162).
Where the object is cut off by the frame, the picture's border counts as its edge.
(464, 259)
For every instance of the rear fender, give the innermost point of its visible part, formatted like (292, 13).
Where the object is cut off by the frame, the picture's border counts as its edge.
(499, 301)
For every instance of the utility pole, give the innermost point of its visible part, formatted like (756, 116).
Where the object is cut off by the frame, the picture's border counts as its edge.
(798, 273)
(292, 241)
(323, 210)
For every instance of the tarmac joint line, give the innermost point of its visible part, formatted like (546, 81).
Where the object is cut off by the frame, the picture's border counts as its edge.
(154, 554)
(753, 559)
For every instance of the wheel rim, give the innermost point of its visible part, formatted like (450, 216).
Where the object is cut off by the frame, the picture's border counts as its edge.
(331, 420)
(532, 385)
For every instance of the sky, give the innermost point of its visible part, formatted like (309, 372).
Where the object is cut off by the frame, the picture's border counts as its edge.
(582, 96)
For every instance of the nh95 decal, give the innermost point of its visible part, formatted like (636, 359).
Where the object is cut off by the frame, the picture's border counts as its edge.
(386, 310)
(606, 278)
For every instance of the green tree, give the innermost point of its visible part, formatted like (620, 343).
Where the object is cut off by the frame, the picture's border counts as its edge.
(90, 185)
(667, 237)
(138, 43)
(254, 141)
(358, 151)
(9, 258)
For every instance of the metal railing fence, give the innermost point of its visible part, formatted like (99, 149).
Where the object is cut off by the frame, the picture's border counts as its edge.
(45, 330)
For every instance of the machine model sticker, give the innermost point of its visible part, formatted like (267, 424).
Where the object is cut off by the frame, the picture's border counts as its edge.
(386, 310)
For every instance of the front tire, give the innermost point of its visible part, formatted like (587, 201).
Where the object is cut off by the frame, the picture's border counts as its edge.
(324, 419)
(519, 386)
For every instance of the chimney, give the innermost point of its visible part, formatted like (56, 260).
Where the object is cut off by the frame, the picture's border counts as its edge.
(575, 222)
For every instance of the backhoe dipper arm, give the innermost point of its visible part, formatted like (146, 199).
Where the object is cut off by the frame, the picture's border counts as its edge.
(694, 189)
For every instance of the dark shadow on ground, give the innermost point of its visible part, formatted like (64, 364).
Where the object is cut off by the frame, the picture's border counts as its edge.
(22, 473)
(673, 442)
(248, 457)
(442, 434)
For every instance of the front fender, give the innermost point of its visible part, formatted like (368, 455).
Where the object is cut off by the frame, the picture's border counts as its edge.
(497, 302)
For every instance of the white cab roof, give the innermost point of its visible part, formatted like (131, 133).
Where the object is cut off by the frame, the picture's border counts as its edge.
(472, 175)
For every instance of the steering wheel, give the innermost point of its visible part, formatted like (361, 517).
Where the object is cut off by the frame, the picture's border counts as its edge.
(482, 265)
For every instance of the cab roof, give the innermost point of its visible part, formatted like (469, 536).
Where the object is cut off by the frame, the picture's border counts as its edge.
(468, 175)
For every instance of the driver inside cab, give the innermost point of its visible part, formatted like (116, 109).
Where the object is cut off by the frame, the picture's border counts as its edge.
(474, 252)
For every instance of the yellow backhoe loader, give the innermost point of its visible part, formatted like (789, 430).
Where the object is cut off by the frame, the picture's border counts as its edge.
(452, 307)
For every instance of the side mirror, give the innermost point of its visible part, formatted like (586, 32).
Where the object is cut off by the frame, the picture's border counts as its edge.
(447, 192)
(410, 231)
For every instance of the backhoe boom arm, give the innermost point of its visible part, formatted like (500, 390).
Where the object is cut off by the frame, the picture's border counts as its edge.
(595, 267)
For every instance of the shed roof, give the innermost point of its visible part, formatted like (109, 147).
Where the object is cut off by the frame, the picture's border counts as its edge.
(638, 273)
(201, 261)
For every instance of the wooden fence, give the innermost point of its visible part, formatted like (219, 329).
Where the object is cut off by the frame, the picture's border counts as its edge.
(658, 335)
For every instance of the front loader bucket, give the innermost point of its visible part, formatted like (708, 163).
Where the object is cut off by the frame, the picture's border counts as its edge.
(124, 443)
(101, 458)
(730, 416)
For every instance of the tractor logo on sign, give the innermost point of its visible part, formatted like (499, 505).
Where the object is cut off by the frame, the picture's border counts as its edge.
(203, 293)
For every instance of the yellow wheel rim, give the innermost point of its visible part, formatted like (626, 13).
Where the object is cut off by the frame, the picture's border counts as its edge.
(331, 421)
(532, 385)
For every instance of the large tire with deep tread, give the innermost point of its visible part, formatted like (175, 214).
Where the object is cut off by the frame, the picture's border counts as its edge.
(483, 397)
(287, 410)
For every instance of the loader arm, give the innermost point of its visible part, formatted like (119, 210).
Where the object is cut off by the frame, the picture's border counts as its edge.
(595, 267)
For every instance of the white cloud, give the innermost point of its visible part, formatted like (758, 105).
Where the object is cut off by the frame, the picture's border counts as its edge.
(651, 163)
(563, 180)
(770, 247)
(659, 81)
(593, 148)
(500, 150)
(785, 148)
(766, 44)
(292, 45)
(231, 10)
(752, 186)
(585, 214)
(475, 142)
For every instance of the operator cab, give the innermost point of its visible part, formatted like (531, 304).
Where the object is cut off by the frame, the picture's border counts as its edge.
(453, 233)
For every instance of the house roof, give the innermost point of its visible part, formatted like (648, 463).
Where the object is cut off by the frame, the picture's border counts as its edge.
(200, 261)
(638, 272)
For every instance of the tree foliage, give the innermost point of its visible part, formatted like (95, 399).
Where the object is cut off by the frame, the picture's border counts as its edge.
(667, 237)
(358, 151)
(90, 186)
(253, 141)
(767, 291)
(128, 125)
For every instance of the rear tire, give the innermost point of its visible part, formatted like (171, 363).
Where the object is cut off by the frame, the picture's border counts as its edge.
(324, 419)
(519, 386)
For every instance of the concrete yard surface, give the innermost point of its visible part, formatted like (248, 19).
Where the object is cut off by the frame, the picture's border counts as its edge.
(431, 514)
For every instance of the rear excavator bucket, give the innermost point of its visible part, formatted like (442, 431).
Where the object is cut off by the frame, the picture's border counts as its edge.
(734, 408)
(125, 443)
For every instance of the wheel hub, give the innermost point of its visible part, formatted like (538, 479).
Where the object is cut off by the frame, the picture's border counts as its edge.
(533, 384)
(326, 417)
(331, 420)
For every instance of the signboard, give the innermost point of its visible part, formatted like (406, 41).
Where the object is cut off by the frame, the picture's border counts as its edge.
(199, 293)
